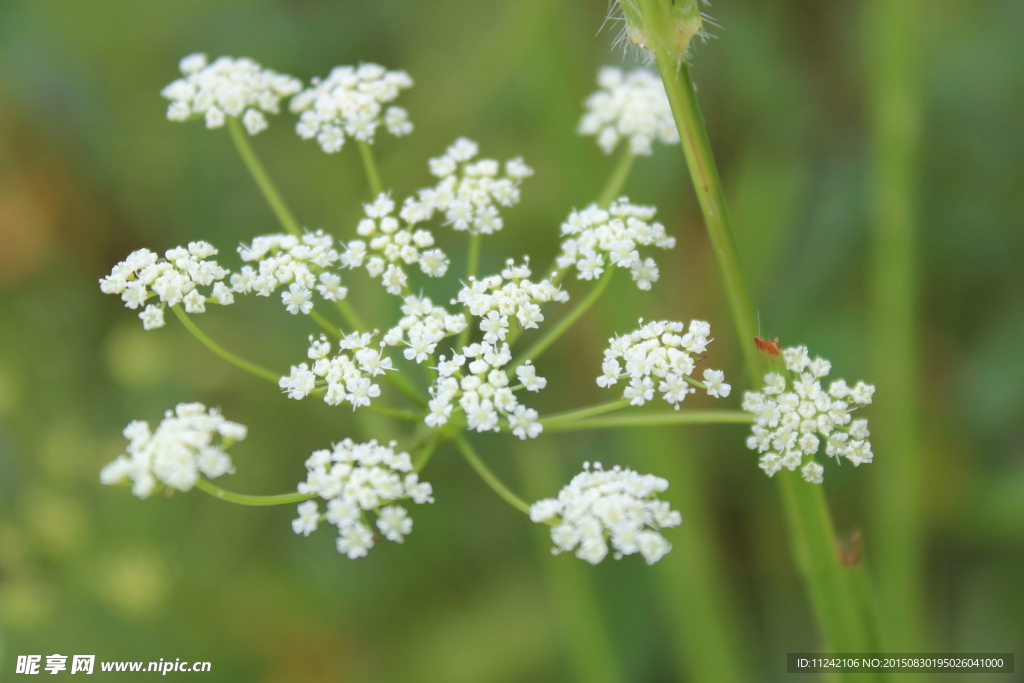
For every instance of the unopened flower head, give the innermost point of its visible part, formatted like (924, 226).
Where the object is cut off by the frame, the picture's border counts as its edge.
(350, 103)
(178, 278)
(303, 264)
(501, 301)
(597, 238)
(661, 356)
(390, 243)
(470, 192)
(794, 415)
(188, 442)
(239, 88)
(616, 505)
(346, 377)
(631, 106)
(476, 381)
(358, 481)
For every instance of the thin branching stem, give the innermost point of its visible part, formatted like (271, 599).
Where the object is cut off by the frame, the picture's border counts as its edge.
(246, 499)
(249, 367)
(488, 476)
(370, 165)
(263, 181)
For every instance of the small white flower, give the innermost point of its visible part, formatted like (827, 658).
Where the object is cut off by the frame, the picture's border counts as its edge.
(237, 88)
(189, 441)
(630, 105)
(350, 102)
(793, 415)
(617, 505)
(309, 516)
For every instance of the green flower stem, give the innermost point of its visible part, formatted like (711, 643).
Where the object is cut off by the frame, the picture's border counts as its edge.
(666, 417)
(893, 51)
(262, 373)
(620, 174)
(815, 552)
(372, 176)
(697, 149)
(581, 413)
(263, 181)
(472, 264)
(704, 625)
(324, 323)
(570, 583)
(421, 458)
(609, 193)
(810, 525)
(394, 413)
(538, 347)
(244, 499)
(488, 476)
(350, 315)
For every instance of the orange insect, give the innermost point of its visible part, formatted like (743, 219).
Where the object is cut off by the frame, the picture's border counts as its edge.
(772, 348)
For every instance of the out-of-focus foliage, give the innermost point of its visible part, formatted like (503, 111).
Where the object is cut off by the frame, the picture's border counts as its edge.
(90, 169)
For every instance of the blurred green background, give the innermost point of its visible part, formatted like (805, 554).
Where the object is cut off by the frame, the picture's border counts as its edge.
(90, 170)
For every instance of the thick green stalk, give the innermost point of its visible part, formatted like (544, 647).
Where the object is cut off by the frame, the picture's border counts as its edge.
(245, 499)
(711, 195)
(653, 419)
(263, 181)
(262, 373)
(570, 582)
(488, 476)
(538, 347)
(570, 416)
(807, 514)
(372, 176)
(892, 48)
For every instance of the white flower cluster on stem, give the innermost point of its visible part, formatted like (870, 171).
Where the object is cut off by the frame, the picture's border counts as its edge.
(348, 374)
(660, 356)
(477, 379)
(619, 505)
(793, 414)
(188, 442)
(499, 298)
(393, 242)
(595, 234)
(350, 102)
(469, 194)
(173, 280)
(356, 480)
(303, 263)
(630, 105)
(239, 88)
(422, 326)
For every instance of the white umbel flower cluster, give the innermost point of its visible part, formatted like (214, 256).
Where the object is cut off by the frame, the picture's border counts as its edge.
(597, 238)
(393, 242)
(189, 441)
(599, 505)
(350, 102)
(660, 356)
(239, 88)
(422, 326)
(629, 105)
(500, 299)
(173, 280)
(348, 375)
(356, 480)
(469, 194)
(793, 415)
(304, 264)
(477, 380)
